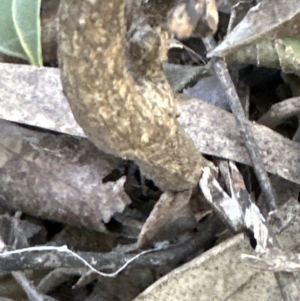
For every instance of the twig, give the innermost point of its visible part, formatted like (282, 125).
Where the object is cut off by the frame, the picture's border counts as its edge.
(281, 111)
(29, 288)
(111, 261)
(244, 126)
(83, 261)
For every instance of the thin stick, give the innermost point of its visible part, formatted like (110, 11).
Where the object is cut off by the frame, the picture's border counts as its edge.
(65, 249)
(244, 126)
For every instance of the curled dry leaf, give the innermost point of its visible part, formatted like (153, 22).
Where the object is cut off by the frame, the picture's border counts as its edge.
(58, 177)
(228, 208)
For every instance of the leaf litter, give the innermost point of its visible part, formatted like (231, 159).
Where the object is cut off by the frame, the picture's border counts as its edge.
(231, 269)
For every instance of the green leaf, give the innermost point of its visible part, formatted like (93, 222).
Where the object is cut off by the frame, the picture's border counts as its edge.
(288, 50)
(294, 44)
(9, 41)
(20, 30)
(26, 18)
(282, 54)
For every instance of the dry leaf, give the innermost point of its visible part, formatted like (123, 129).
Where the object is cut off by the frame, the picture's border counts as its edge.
(267, 20)
(238, 12)
(284, 190)
(171, 216)
(39, 99)
(281, 54)
(218, 274)
(226, 5)
(40, 103)
(179, 76)
(217, 135)
(58, 177)
(209, 89)
(238, 210)
(285, 223)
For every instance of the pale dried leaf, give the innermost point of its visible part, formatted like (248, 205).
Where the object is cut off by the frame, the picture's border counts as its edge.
(218, 135)
(38, 100)
(228, 208)
(238, 210)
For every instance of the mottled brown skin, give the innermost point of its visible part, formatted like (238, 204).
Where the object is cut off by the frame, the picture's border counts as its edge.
(118, 92)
